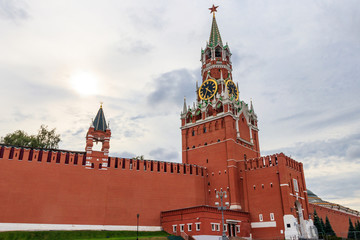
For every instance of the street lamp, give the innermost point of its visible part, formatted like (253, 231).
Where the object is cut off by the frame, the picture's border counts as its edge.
(222, 194)
(137, 226)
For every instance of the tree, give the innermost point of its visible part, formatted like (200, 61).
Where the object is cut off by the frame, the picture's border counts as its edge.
(351, 233)
(44, 139)
(318, 224)
(328, 229)
(357, 226)
(322, 225)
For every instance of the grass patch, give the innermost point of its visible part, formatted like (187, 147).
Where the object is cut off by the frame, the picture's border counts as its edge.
(81, 235)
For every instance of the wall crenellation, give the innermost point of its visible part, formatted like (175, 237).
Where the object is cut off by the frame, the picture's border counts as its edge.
(79, 158)
(42, 155)
(154, 166)
(272, 160)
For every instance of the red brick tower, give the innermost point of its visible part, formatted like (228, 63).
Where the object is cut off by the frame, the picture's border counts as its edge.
(219, 131)
(98, 132)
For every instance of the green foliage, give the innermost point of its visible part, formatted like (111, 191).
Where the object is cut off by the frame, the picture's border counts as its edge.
(328, 229)
(351, 233)
(69, 235)
(357, 226)
(44, 139)
(318, 225)
(141, 157)
(322, 225)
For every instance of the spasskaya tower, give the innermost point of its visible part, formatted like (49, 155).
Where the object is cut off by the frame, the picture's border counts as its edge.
(219, 131)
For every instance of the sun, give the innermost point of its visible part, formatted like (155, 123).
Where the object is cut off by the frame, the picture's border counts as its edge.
(84, 83)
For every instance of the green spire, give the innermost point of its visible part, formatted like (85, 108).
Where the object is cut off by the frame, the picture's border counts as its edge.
(215, 37)
(100, 122)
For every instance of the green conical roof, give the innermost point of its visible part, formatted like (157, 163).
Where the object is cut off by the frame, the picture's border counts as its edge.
(215, 37)
(100, 122)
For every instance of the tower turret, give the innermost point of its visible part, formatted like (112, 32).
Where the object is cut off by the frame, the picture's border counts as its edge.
(99, 132)
(219, 131)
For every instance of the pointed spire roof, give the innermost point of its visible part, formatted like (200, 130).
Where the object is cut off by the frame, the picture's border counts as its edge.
(100, 122)
(215, 37)
(184, 107)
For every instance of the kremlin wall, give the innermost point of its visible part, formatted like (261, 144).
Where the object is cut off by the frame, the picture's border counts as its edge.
(265, 196)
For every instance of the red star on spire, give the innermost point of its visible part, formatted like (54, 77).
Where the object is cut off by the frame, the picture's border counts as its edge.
(213, 9)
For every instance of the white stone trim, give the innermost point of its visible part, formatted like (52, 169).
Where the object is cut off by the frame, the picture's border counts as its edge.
(47, 227)
(232, 221)
(263, 224)
(284, 184)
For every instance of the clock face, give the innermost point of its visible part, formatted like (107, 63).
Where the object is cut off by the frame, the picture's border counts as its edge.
(208, 89)
(232, 89)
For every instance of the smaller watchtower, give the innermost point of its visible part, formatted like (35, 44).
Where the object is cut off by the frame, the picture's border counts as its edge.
(99, 132)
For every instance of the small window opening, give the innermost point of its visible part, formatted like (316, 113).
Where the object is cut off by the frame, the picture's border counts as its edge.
(100, 165)
(144, 165)
(178, 168)
(197, 225)
(152, 166)
(92, 165)
(189, 227)
(193, 133)
(171, 168)
(137, 165)
(205, 129)
(207, 160)
(131, 164)
(184, 169)
(191, 169)
(165, 167)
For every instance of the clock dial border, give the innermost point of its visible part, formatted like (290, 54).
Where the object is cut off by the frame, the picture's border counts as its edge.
(233, 84)
(203, 85)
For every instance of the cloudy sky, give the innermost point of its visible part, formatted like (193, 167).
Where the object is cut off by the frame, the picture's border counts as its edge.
(297, 60)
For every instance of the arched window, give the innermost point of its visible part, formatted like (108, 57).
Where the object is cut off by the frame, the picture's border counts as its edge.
(198, 115)
(218, 52)
(208, 54)
(189, 118)
(219, 107)
(209, 111)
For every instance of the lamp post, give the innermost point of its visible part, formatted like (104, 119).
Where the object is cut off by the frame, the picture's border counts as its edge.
(222, 194)
(137, 226)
